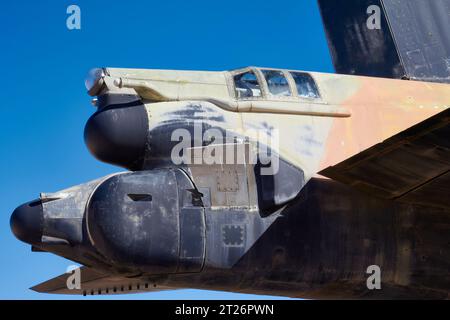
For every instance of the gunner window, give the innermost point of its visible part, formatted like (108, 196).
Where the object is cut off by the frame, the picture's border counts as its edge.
(277, 83)
(306, 86)
(247, 85)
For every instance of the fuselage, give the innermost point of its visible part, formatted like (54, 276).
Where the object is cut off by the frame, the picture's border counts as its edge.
(276, 227)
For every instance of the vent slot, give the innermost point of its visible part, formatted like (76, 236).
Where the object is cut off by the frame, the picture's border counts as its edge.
(140, 197)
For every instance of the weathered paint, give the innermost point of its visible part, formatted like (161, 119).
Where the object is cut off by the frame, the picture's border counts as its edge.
(379, 108)
(309, 249)
(223, 226)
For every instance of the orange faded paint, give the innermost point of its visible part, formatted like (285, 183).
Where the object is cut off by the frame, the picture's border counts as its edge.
(380, 109)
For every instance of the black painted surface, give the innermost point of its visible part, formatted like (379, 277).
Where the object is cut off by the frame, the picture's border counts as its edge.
(275, 190)
(27, 222)
(324, 241)
(319, 246)
(421, 32)
(356, 49)
(413, 42)
(117, 132)
(192, 239)
(137, 235)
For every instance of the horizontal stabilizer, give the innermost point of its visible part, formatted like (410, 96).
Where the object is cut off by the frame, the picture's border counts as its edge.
(412, 166)
(94, 282)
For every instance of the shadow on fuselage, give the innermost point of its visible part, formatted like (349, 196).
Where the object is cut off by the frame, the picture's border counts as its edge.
(324, 241)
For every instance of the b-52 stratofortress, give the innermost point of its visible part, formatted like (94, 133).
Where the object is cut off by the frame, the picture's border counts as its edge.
(270, 181)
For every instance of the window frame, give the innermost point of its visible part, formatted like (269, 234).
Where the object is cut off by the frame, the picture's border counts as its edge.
(232, 85)
(266, 85)
(319, 98)
(265, 92)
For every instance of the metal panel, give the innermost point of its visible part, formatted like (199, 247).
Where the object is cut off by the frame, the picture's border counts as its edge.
(192, 244)
(356, 49)
(413, 41)
(421, 32)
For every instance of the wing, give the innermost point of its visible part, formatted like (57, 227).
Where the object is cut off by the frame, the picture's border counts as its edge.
(412, 166)
(94, 282)
(389, 38)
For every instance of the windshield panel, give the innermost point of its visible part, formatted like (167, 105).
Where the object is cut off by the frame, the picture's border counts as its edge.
(246, 85)
(277, 83)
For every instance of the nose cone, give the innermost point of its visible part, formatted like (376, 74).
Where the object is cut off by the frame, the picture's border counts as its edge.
(27, 222)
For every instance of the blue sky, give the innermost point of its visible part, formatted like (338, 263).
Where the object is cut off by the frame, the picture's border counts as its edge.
(44, 104)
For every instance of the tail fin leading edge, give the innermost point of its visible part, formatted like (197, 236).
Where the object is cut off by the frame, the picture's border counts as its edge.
(389, 38)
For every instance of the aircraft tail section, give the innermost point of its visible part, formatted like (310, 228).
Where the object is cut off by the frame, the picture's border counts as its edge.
(389, 38)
